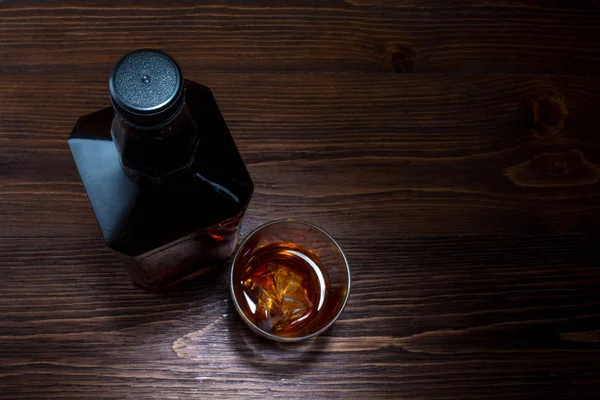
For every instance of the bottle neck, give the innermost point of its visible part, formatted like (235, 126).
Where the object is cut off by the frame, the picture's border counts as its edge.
(155, 154)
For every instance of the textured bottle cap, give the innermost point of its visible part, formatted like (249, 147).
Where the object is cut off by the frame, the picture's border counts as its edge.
(146, 87)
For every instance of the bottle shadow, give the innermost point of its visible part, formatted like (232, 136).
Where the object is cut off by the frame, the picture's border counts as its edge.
(133, 306)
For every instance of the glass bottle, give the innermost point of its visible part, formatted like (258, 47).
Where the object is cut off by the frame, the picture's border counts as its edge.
(162, 173)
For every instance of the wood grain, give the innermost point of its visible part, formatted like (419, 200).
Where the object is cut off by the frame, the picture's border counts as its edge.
(452, 148)
(402, 36)
(432, 317)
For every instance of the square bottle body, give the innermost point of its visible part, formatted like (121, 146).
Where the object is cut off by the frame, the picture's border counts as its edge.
(169, 232)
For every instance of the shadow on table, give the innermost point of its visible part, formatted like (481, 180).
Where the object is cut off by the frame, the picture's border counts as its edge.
(129, 306)
(265, 354)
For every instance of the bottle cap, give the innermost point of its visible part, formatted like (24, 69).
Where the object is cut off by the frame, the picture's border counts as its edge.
(146, 88)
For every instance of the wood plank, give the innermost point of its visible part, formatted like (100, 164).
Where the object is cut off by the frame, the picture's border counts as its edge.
(432, 318)
(353, 35)
(391, 154)
(426, 136)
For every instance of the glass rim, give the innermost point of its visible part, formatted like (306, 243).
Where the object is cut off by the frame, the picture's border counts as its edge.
(238, 308)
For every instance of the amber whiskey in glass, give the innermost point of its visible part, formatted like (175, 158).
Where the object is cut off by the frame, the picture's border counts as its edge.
(162, 173)
(284, 287)
(289, 280)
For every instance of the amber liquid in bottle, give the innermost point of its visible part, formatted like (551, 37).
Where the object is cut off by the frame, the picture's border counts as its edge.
(285, 288)
(169, 197)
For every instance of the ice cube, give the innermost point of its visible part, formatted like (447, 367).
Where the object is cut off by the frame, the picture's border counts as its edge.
(279, 297)
(286, 282)
(293, 308)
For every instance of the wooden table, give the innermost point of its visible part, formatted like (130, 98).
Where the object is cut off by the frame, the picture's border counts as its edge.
(453, 149)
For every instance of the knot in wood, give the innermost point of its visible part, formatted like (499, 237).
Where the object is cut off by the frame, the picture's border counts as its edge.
(549, 113)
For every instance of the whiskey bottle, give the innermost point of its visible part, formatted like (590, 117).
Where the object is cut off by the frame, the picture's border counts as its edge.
(162, 173)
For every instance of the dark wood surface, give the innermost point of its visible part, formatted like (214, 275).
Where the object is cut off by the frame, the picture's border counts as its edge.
(453, 149)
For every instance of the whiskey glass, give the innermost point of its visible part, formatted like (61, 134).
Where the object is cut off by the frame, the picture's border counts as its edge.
(268, 251)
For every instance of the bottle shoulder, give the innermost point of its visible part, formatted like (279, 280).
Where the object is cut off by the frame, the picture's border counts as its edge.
(94, 126)
(217, 158)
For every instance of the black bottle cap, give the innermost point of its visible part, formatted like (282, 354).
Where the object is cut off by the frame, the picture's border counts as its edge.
(146, 88)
